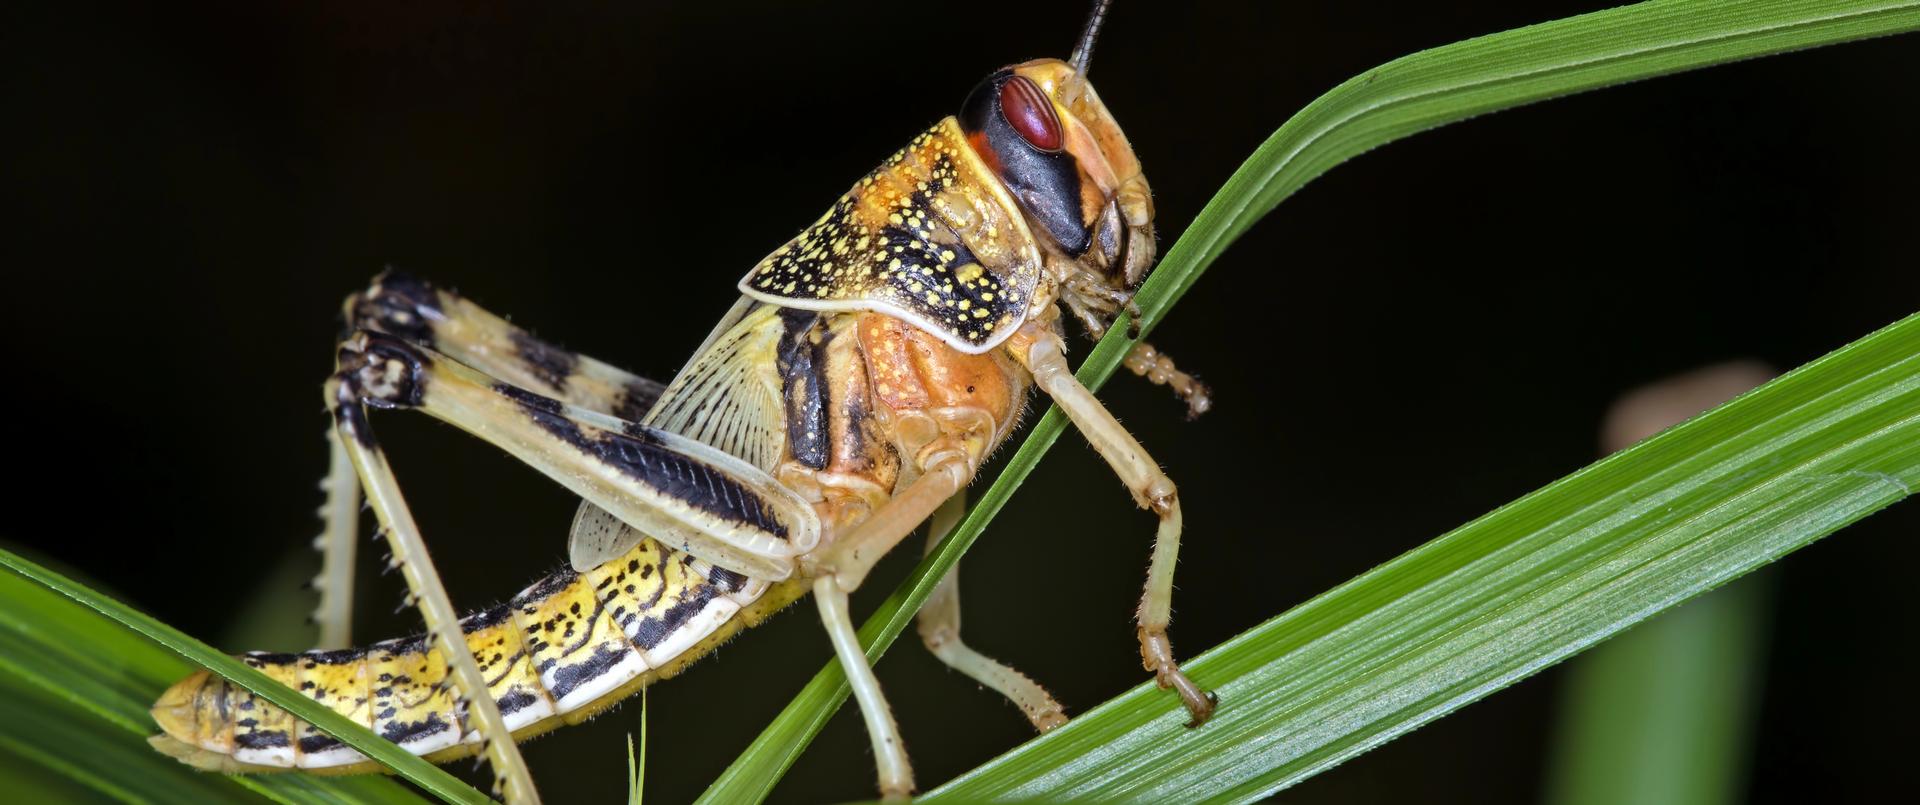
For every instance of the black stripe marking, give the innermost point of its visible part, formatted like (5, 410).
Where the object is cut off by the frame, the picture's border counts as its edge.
(486, 618)
(514, 702)
(550, 364)
(546, 587)
(317, 743)
(727, 580)
(343, 656)
(803, 375)
(654, 630)
(639, 453)
(401, 646)
(402, 732)
(637, 398)
(259, 659)
(572, 676)
(260, 739)
(399, 304)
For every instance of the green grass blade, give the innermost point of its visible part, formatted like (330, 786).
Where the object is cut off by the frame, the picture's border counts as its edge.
(1408, 95)
(108, 661)
(1506, 595)
(637, 771)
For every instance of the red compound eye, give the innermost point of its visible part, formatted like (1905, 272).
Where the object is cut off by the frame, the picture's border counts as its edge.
(1029, 112)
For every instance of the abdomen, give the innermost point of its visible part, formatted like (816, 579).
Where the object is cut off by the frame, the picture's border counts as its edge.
(564, 649)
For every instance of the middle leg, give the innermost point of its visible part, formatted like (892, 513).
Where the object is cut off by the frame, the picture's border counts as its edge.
(839, 572)
(939, 626)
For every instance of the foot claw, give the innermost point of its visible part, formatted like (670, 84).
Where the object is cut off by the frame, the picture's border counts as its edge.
(1156, 653)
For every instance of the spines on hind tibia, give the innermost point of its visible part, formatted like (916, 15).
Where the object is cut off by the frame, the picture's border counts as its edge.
(562, 650)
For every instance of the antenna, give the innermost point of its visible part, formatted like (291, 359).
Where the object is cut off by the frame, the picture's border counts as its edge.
(1083, 52)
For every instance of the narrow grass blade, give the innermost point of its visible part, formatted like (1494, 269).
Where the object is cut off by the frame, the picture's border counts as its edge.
(637, 771)
(1403, 97)
(110, 661)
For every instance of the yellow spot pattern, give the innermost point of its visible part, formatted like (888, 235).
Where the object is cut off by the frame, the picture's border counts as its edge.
(565, 648)
(897, 243)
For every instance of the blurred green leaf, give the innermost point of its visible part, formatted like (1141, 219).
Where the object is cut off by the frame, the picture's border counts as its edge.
(1660, 715)
(63, 644)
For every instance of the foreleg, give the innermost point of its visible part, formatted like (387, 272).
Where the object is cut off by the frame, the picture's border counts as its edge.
(1152, 490)
(1157, 367)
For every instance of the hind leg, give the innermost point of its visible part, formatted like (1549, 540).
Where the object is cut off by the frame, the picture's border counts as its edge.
(345, 398)
(414, 310)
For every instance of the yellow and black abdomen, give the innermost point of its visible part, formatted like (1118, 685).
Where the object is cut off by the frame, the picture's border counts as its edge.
(563, 650)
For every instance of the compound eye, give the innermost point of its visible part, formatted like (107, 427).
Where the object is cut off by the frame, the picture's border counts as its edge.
(1029, 112)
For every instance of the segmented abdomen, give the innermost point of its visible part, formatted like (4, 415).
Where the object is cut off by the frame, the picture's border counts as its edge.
(561, 648)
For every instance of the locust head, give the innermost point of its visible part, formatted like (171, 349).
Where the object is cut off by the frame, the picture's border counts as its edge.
(1041, 128)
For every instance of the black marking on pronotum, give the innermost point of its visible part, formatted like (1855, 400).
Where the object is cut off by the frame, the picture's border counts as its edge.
(803, 375)
(653, 630)
(550, 364)
(568, 677)
(640, 453)
(401, 732)
(1046, 184)
(260, 739)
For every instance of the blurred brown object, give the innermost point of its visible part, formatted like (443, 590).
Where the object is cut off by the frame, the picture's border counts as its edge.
(1654, 407)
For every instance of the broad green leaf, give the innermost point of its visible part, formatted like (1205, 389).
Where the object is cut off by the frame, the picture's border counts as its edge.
(1508, 594)
(1402, 97)
(106, 663)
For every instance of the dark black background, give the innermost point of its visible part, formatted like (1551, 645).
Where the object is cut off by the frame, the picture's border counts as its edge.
(1417, 337)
